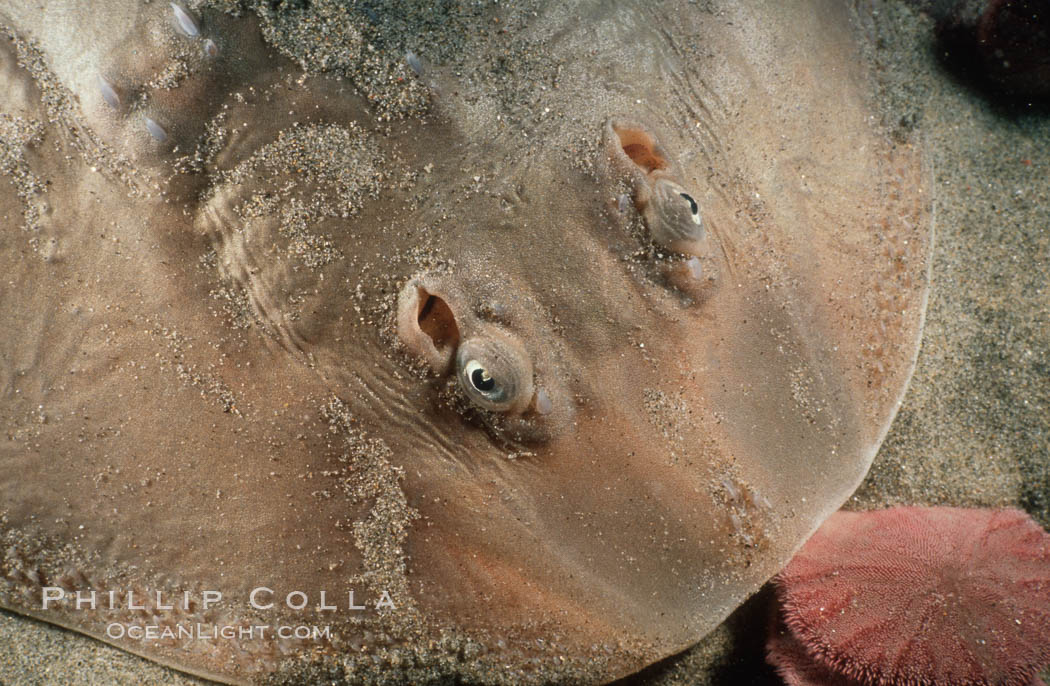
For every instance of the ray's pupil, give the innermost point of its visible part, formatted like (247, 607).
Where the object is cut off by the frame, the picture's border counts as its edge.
(482, 380)
(692, 203)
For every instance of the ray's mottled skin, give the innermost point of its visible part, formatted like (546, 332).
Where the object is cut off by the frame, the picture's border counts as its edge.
(550, 394)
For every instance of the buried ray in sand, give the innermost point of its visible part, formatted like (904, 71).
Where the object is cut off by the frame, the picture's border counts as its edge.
(551, 359)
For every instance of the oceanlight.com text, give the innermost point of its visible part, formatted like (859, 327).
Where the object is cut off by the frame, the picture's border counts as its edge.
(256, 632)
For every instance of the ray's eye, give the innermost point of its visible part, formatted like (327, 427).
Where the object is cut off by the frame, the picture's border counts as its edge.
(673, 217)
(495, 374)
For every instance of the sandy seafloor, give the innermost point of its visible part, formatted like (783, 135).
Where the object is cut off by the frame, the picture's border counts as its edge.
(974, 428)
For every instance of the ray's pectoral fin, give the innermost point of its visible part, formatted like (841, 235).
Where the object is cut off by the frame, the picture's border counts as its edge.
(670, 209)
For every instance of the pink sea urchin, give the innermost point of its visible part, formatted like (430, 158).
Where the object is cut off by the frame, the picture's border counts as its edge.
(915, 596)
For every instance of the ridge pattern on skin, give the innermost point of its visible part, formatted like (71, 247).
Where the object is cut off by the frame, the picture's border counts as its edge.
(561, 338)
